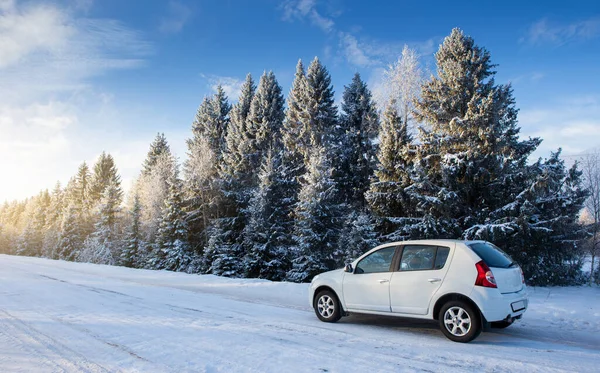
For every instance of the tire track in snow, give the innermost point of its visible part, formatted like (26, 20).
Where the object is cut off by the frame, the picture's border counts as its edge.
(52, 351)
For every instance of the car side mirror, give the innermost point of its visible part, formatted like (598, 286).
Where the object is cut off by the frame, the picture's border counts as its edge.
(349, 268)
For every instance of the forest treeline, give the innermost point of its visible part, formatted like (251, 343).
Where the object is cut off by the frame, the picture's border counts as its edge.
(283, 189)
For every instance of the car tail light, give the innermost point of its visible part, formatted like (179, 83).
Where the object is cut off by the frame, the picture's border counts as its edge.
(485, 277)
(522, 275)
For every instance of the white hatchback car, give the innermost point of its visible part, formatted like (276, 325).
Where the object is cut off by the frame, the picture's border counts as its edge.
(466, 285)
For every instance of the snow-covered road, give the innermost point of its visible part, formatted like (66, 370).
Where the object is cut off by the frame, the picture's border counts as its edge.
(58, 316)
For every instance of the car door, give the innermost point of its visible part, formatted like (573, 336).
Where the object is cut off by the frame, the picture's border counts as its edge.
(421, 271)
(367, 288)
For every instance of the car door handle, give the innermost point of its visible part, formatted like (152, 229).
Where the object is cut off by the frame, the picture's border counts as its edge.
(432, 280)
(383, 281)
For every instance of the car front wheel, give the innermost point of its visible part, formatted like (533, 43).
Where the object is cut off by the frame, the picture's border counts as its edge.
(459, 321)
(327, 306)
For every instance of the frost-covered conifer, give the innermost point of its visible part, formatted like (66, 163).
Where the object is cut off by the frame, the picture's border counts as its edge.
(318, 216)
(265, 234)
(353, 142)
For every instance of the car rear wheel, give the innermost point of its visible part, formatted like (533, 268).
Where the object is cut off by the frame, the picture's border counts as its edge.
(459, 321)
(327, 306)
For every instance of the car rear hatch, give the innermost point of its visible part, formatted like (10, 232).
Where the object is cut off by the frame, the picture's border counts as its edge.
(506, 272)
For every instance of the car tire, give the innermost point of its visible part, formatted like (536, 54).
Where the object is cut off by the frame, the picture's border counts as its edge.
(459, 321)
(501, 324)
(327, 306)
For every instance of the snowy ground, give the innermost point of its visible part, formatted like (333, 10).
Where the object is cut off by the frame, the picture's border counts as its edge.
(58, 316)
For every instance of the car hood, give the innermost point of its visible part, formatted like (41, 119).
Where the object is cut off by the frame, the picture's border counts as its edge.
(335, 274)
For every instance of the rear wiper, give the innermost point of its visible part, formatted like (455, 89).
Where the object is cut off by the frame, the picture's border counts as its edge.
(512, 264)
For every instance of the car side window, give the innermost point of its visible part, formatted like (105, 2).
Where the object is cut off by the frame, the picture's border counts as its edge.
(423, 257)
(378, 261)
(441, 257)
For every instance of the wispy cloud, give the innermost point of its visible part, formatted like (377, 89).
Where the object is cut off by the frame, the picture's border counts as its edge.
(232, 86)
(49, 57)
(354, 52)
(546, 32)
(306, 9)
(355, 49)
(178, 14)
(572, 124)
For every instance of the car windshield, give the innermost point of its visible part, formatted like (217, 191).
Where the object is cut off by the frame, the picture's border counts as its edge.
(491, 255)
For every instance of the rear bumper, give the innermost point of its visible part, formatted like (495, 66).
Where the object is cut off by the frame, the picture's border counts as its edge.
(498, 307)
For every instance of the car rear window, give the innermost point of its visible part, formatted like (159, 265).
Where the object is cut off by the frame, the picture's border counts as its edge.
(491, 255)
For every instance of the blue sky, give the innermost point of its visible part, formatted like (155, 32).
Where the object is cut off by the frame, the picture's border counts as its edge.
(81, 76)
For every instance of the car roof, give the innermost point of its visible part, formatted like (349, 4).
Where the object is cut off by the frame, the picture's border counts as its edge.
(430, 242)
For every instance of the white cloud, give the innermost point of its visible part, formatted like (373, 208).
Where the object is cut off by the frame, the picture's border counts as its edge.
(51, 117)
(178, 14)
(543, 31)
(354, 53)
(306, 9)
(232, 86)
(573, 125)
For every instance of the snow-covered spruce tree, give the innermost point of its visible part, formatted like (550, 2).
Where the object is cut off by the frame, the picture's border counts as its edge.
(201, 190)
(234, 156)
(159, 147)
(357, 237)
(31, 239)
(101, 246)
(319, 114)
(70, 240)
(353, 142)
(53, 222)
(317, 220)
(153, 190)
(212, 120)
(295, 141)
(540, 228)
(470, 161)
(77, 193)
(388, 194)
(263, 123)
(133, 244)
(295, 138)
(172, 248)
(264, 235)
(104, 173)
(205, 154)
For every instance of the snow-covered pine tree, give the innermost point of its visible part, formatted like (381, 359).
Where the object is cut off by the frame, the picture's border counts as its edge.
(172, 248)
(234, 156)
(264, 235)
(206, 153)
(540, 228)
(104, 173)
(53, 222)
(201, 190)
(353, 142)
(294, 137)
(70, 241)
(388, 196)
(158, 148)
(318, 215)
(211, 121)
(31, 239)
(263, 123)
(133, 244)
(319, 115)
(357, 237)
(101, 246)
(468, 162)
(153, 190)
